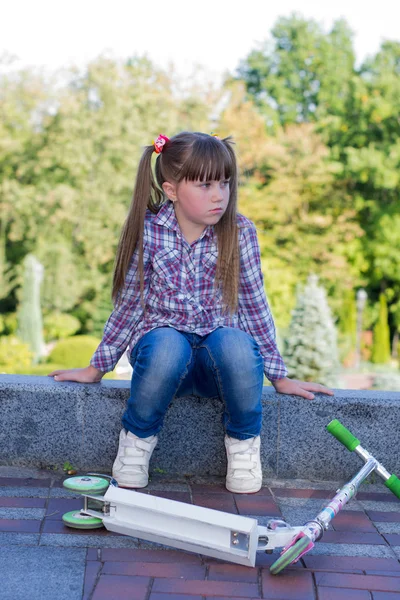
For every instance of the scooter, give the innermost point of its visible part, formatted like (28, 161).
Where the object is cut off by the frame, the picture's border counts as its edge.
(211, 532)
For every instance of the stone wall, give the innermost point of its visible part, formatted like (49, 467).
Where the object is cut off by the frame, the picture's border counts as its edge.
(46, 423)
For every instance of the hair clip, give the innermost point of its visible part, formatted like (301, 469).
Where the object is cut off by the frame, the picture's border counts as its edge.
(160, 143)
(215, 135)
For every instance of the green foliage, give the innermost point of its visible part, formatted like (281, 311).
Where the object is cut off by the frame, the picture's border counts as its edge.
(14, 354)
(311, 345)
(74, 352)
(58, 325)
(10, 323)
(381, 340)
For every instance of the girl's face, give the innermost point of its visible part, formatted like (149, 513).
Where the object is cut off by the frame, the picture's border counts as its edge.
(196, 202)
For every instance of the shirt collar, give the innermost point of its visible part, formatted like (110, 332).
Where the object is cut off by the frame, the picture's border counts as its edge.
(167, 218)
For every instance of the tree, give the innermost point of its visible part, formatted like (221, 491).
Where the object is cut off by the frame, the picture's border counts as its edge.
(30, 325)
(310, 350)
(381, 339)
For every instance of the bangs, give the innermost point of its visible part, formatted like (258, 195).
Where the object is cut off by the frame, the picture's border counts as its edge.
(208, 160)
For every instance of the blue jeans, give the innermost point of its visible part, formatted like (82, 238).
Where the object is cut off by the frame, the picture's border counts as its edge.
(169, 364)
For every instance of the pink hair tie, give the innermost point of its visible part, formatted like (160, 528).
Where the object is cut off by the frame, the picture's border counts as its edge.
(160, 143)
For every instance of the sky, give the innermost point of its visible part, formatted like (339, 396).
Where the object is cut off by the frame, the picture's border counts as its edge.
(215, 34)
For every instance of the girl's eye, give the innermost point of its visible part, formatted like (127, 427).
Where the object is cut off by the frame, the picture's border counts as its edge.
(226, 182)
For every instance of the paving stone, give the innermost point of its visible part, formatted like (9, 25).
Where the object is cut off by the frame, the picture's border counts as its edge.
(392, 539)
(170, 556)
(20, 526)
(221, 502)
(87, 541)
(159, 596)
(326, 593)
(369, 505)
(21, 513)
(22, 502)
(19, 539)
(261, 506)
(388, 528)
(42, 573)
(91, 574)
(290, 586)
(351, 537)
(207, 588)
(177, 496)
(384, 517)
(362, 582)
(228, 572)
(355, 564)
(122, 587)
(385, 596)
(154, 569)
(25, 492)
(353, 521)
(378, 551)
(25, 482)
(314, 505)
(303, 493)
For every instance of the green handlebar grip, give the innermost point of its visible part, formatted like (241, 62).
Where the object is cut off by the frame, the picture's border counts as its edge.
(342, 434)
(393, 483)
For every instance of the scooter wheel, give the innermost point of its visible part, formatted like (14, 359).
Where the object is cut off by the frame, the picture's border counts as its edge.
(77, 520)
(86, 485)
(289, 556)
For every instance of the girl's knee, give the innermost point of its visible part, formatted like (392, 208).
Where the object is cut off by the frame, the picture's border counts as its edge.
(165, 348)
(235, 344)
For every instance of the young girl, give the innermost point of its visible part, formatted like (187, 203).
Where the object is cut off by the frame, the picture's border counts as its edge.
(190, 307)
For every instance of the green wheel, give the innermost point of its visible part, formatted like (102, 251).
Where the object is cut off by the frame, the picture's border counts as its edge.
(290, 555)
(77, 520)
(86, 485)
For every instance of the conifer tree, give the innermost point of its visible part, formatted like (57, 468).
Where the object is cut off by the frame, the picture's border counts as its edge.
(311, 345)
(30, 325)
(381, 339)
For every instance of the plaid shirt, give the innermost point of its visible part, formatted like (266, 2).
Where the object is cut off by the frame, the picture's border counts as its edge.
(178, 291)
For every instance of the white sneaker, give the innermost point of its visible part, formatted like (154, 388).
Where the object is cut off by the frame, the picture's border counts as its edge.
(131, 467)
(244, 475)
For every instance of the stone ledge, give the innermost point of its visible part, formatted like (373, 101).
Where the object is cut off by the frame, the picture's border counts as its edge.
(45, 423)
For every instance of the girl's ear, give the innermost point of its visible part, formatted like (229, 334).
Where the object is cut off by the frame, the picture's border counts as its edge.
(169, 190)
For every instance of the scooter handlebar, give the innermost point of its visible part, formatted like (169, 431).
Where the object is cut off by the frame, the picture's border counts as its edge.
(343, 435)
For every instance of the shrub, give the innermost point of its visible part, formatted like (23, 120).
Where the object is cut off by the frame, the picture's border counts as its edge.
(310, 351)
(74, 352)
(10, 323)
(59, 326)
(381, 344)
(14, 354)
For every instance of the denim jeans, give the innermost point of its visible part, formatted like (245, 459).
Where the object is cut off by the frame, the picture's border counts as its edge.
(169, 364)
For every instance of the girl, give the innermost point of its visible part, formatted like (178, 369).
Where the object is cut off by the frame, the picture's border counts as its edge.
(191, 308)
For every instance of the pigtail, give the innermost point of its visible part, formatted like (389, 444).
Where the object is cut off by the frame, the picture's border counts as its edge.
(228, 262)
(146, 195)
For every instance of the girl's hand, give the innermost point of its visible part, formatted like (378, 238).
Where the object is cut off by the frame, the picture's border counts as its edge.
(300, 388)
(87, 375)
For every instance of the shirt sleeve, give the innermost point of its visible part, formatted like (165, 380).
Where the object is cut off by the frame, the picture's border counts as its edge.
(119, 328)
(253, 311)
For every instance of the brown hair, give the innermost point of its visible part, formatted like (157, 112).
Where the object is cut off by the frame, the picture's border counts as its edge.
(187, 156)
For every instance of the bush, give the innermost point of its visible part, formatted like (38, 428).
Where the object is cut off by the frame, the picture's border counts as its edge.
(10, 323)
(57, 326)
(14, 354)
(74, 352)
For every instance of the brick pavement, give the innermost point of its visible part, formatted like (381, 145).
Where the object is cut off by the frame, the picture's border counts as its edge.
(357, 559)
